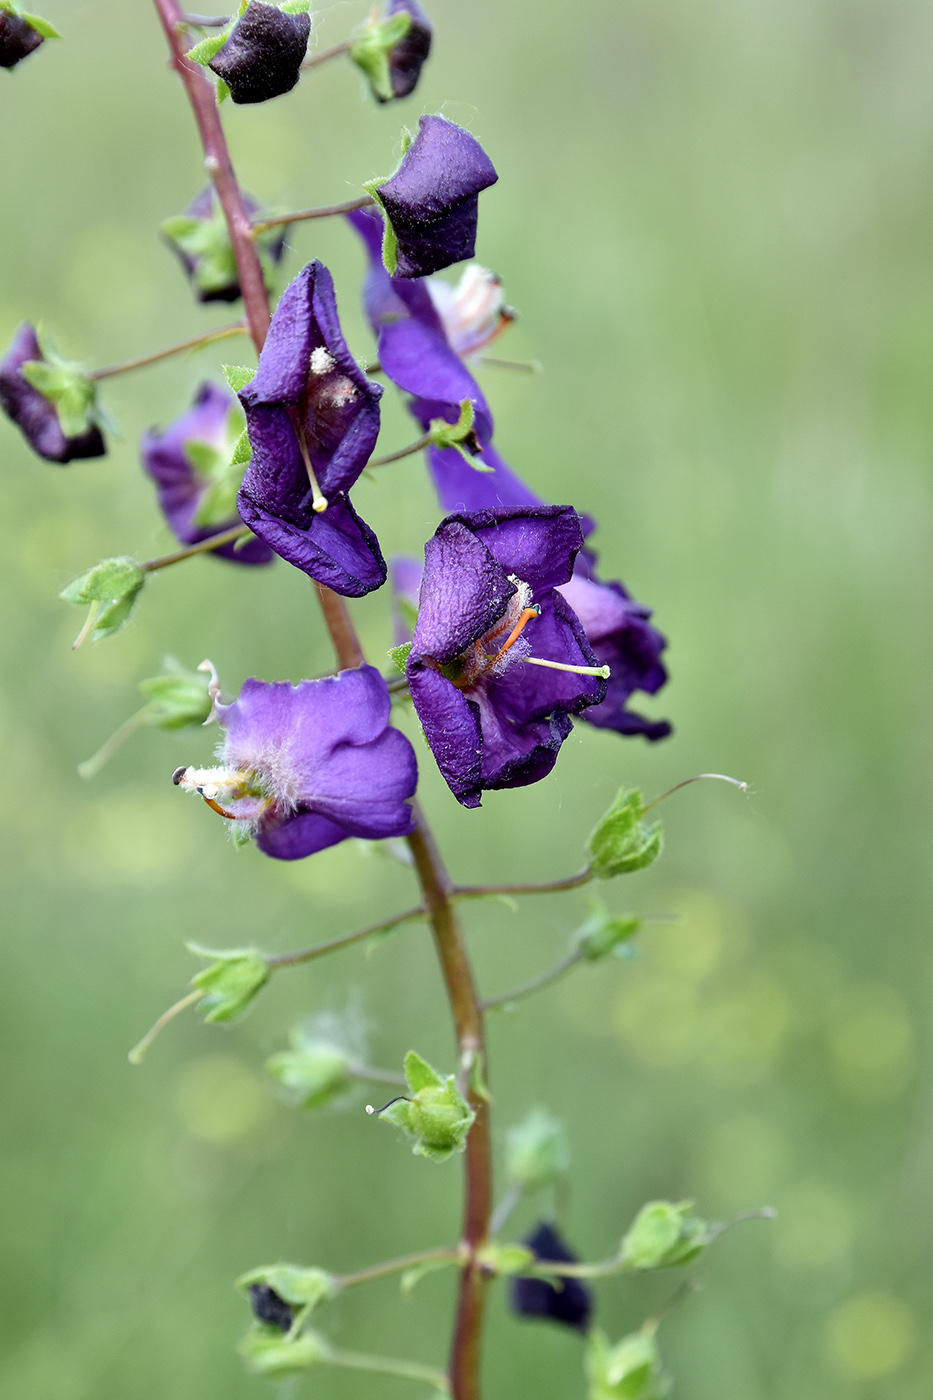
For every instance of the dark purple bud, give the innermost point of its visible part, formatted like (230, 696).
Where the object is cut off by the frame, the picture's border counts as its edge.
(191, 465)
(268, 1307)
(313, 420)
(18, 39)
(200, 240)
(36, 416)
(407, 57)
(498, 661)
(262, 58)
(431, 201)
(566, 1300)
(391, 48)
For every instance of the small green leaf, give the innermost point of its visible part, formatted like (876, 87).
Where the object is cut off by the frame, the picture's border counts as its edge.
(419, 1073)
(663, 1235)
(537, 1151)
(399, 656)
(108, 580)
(270, 1354)
(68, 388)
(299, 1287)
(621, 841)
(231, 982)
(238, 376)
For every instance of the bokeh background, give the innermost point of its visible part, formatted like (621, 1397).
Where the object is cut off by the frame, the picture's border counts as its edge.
(717, 223)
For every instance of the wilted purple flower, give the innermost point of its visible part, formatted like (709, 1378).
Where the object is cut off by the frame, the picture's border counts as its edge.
(36, 416)
(622, 638)
(305, 766)
(263, 55)
(391, 48)
(269, 1307)
(201, 241)
(189, 463)
(407, 57)
(313, 420)
(18, 39)
(431, 201)
(566, 1300)
(499, 661)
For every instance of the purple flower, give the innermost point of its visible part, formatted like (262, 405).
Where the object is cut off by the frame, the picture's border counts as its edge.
(566, 1300)
(38, 417)
(305, 766)
(431, 201)
(263, 55)
(190, 463)
(499, 661)
(201, 241)
(622, 638)
(18, 39)
(391, 48)
(313, 420)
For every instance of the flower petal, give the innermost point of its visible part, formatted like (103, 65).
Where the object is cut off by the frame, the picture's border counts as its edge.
(451, 727)
(464, 591)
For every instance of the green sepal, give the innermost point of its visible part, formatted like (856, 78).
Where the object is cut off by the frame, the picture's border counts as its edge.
(177, 698)
(268, 1353)
(207, 243)
(238, 376)
(40, 25)
(504, 1259)
(207, 48)
(314, 1072)
(110, 579)
(222, 469)
(461, 435)
(621, 841)
(628, 1370)
(537, 1151)
(295, 7)
(242, 450)
(605, 933)
(299, 1287)
(66, 386)
(663, 1235)
(399, 656)
(411, 1277)
(370, 47)
(231, 981)
(437, 1115)
(420, 1074)
(113, 615)
(222, 91)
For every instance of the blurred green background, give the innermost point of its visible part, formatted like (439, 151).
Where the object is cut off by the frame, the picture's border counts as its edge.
(717, 223)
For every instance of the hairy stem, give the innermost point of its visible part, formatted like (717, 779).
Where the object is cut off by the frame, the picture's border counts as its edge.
(432, 875)
(320, 949)
(334, 51)
(326, 211)
(408, 451)
(388, 1366)
(218, 166)
(569, 882)
(534, 984)
(194, 343)
(396, 1266)
(235, 532)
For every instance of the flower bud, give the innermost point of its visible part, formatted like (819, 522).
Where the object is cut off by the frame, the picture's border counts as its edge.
(663, 1235)
(21, 34)
(229, 983)
(268, 1353)
(629, 1370)
(605, 933)
(260, 55)
(621, 841)
(436, 1115)
(391, 49)
(51, 401)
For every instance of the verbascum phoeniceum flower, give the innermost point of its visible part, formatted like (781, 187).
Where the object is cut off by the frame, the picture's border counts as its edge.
(313, 421)
(51, 401)
(499, 661)
(301, 767)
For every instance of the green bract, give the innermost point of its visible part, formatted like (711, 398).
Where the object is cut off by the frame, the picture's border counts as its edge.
(605, 933)
(177, 698)
(36, 22)
(231, 981)
(111, 588)
(222, 468)
(301, 1288)
(271, 1354)
(315, 1071)
(399, 656)
(663, 1235)
(537, 1151)
(437, 1115)
(66, 386)
(505, 1259)
(629, 1370)
(370, 48)
(622, 842)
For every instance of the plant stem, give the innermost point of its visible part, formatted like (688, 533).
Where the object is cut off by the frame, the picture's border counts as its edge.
(220, 170)
(342, 632)
(570, 882)
(535, 984)
(377, 1076)
(136, 1054)
(326, 211)
(320, 949)
(95, 763)
(418, 446)
(235, 532)
(196, 341)
(333, 52)
(388, 1366)
(396, 1266)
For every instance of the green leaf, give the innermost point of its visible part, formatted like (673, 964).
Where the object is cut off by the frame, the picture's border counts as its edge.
(537, 1151)
(108, 580)
(41, 26)
(238, 376)
(605, 933)
(299, 1287)
(270, 1354)
(663, 1235)
(622, 842)
(419, 1073)
(399, 656)
(231, 982)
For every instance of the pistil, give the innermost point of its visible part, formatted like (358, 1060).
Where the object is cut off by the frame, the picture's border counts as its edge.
(602, 672)
(319, 501)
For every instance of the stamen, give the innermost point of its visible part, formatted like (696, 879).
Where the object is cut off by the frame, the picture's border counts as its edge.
(602, 671)
(524, 618)
(319, 501)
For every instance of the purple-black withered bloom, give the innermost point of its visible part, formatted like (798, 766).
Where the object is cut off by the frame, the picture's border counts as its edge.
(313, 420)
(263, 55)
(179, 461)
(499, 661)
(36, 416)
(18, 38)
(304, 766)
(391, 48)
(566, 1300)
(431, 202)
(622, 637)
